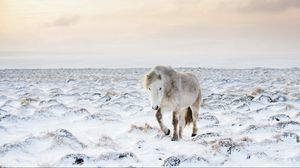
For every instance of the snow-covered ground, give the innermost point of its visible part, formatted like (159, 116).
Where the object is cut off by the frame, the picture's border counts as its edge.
(102, 117)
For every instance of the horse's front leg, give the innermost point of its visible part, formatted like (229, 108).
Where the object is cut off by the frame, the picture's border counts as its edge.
(175, 125)
(160, 122)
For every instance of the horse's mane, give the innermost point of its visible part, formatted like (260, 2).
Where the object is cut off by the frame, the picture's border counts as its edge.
(150, 77)
(168, 74)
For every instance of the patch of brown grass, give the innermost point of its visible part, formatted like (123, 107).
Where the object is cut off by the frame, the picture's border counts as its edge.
(144, 128)
(256, 92)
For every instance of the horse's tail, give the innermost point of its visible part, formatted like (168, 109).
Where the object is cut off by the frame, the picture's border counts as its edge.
(188, 116)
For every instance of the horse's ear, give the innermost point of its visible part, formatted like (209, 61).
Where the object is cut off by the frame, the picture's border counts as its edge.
(159, 77)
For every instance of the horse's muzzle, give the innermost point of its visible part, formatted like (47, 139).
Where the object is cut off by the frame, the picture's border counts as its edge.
(155, 107)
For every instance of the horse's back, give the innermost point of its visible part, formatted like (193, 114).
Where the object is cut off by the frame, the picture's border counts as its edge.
(189, 80)
(189, 88)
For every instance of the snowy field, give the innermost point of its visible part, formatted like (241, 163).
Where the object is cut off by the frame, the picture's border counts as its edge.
(102, 117)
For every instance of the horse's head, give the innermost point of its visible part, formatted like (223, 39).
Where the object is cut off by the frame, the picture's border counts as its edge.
(154, 85)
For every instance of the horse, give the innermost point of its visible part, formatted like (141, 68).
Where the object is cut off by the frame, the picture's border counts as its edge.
(176, 92)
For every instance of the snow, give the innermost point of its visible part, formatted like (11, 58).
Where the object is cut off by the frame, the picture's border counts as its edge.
(102, 117)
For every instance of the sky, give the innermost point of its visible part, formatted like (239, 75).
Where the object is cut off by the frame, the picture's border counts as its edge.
(144, 33)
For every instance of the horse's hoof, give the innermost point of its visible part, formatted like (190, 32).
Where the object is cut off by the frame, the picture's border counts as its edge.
(174, 139)
(194, 135)
(168, 133)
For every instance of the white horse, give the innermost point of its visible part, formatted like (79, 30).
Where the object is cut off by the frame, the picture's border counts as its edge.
(175, 92)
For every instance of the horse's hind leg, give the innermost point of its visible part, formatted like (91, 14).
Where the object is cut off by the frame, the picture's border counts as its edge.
(175, 125)
(160, 122)
(195, 113)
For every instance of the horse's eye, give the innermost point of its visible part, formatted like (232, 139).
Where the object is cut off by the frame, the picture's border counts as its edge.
(159, 88)
(149, 88)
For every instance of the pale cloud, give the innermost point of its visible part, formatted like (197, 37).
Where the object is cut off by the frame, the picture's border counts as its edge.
(268, 5)
(64, 21)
